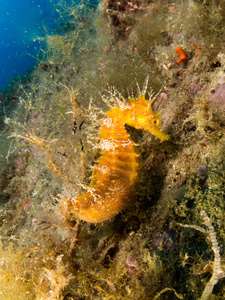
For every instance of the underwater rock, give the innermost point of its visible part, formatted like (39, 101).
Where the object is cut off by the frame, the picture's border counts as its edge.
(217, 99)
(165, 241)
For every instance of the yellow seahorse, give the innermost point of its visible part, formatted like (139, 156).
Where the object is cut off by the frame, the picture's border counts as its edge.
(116, 172)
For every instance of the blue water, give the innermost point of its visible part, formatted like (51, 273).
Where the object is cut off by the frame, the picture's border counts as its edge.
(21, 23)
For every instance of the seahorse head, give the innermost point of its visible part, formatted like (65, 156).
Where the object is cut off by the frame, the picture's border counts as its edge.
(142, 117)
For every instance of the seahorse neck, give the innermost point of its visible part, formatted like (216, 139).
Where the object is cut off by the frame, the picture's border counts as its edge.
(114, 124)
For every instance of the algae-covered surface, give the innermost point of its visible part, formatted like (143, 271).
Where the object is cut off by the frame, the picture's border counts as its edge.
(168, 243)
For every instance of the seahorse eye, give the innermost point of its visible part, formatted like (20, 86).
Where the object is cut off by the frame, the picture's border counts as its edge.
(156, 122)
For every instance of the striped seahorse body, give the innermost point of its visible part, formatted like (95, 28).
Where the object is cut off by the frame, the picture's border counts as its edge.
(116, 172)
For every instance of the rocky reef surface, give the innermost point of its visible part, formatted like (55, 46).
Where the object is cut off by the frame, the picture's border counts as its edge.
(168, 243)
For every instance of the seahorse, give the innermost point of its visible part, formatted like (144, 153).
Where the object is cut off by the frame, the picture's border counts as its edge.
(116, 173)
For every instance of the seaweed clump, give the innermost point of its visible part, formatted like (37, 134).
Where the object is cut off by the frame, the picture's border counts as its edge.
(31, 273)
